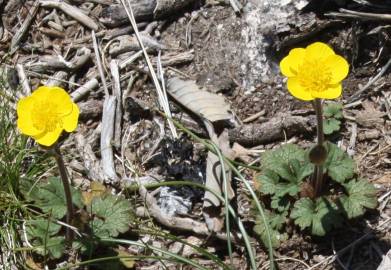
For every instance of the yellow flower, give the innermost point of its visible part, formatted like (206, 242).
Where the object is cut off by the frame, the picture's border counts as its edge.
(46, 113)
(314, 72)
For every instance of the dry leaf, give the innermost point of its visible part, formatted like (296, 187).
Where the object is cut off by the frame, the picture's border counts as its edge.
(384, 180)
(242, 153)
(207, 105)
(370, 116)
(212, 211)
(129, 263)
(32, 264)
(97, 190)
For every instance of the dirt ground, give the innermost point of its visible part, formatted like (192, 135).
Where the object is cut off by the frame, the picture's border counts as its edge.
(237, 56)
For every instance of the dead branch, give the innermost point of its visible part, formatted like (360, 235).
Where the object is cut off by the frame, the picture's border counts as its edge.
(83, 90)
(118, 111)
(23, 79)
(90, 162)
(277, 128)
(176, 223)
(144, 10)
(106, 149)
(129, 43)
(71, 11)
(24, 28)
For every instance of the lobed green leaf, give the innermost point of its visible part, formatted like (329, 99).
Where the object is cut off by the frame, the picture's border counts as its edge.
(340, 167)
(360, 195)
(112, 215)
(319, 216)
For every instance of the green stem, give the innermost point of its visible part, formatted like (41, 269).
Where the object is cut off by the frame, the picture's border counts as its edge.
(318, 174)
(67, 191)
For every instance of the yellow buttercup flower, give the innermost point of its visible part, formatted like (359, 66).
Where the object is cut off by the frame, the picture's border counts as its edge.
(314, 72)
(46, 113)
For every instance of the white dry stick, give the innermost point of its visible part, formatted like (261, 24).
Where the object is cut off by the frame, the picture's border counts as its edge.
(90, 85)
(57, 79)
(71, 11)
(160, 73)
(106, 137)
(23, 79)
(162, 101)
(118, 111)
(130, 60)
(83, 90)
(99, 64)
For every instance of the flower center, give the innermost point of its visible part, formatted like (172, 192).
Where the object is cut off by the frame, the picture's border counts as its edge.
(45, 117)
(314, 76)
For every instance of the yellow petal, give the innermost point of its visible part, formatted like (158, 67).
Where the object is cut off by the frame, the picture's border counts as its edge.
(56, 96)
(338, 66)
(289, 64)
(297, 90)
(332, 92)
(317, 51)
(70, 121)
(49, 138)
(24, 110)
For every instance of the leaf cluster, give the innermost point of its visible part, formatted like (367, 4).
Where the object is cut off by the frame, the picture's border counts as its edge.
(332, 118)
(284, 178)
(101, 215)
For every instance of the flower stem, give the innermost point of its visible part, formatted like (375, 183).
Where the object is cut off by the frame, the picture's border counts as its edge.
(67, 191)
(320, 153)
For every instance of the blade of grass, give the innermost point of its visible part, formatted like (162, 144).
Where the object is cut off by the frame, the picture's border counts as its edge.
(246, 238)
(113, 258)
(210, 147)
(168, 253)
(226, 202)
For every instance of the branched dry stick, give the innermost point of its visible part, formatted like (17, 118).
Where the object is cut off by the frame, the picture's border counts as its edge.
(71, 11)
(176, 223)
(24, 28)
(90, 162)
(357, 94)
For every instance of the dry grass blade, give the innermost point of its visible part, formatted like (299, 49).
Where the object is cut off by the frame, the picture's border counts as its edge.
(159, 90)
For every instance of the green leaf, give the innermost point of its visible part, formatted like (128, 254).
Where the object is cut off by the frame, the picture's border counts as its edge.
(268, 182)
(50, 197)
(331, 125)
(275, 223)
(281, 204)
(289, 161)
(290, 188)
(360, 195)
(42, 233)
(319, 216)
(340, 167)
(112, 215)
(333, 110)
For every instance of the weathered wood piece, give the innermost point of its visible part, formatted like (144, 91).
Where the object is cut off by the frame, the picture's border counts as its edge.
(106, 138)
(71, 11)
(23, 80)
(144, 10)
(118, 111)
(281, 126)
(128, 43)
(24, 28)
